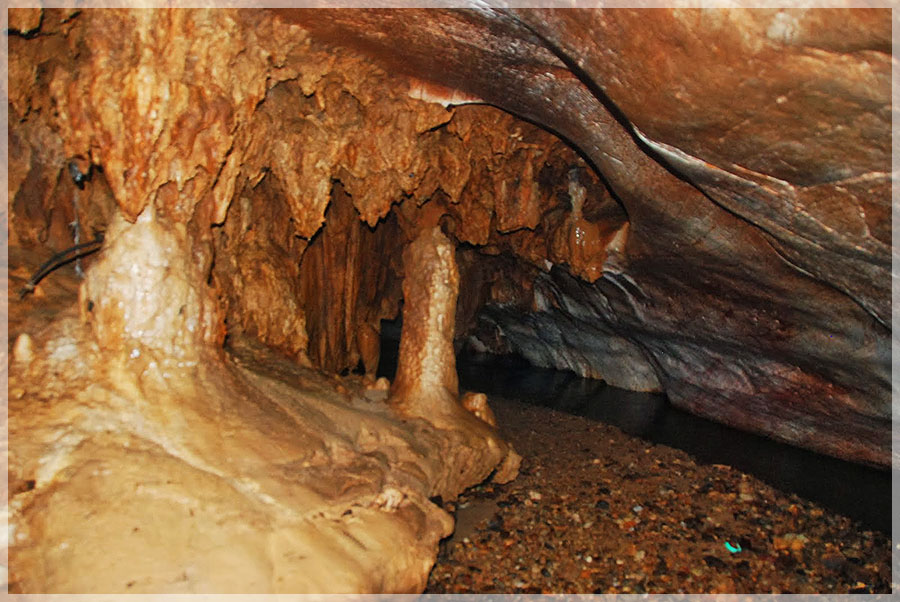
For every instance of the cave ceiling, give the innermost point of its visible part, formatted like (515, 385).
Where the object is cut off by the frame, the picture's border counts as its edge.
(750, 150)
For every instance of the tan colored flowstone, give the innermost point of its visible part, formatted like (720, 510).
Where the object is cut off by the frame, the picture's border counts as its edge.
(144, 459)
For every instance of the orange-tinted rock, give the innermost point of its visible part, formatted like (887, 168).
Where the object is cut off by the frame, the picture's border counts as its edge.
(716, 224)
(25, 21)
(426, 384)
(344, 276)
(728, 136)
(257, 274)
(478, 405)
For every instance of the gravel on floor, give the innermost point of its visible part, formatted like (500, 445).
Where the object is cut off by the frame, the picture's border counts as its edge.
(597, 511)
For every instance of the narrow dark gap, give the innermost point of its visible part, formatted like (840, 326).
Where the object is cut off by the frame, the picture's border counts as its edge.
(858, 492)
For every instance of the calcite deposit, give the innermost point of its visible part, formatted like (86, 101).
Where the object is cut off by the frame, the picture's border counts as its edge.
(688, 201)
(750, 151)
(129, 430)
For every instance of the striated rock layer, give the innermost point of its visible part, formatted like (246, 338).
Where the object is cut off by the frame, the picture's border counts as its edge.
(680, 200)
(750, 150)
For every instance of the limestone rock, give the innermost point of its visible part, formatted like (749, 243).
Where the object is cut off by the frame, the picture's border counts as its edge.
(478, 405)
(750, 150)
(243, 473)
(145, 294)
(426, 382)
(693, 201)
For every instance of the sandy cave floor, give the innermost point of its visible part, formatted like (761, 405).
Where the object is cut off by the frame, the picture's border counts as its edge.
(595, 510)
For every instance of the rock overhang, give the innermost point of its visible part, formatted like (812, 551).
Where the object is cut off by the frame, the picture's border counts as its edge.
(750, 151)
(725, 242)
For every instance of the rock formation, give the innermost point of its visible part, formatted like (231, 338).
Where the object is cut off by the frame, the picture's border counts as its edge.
(750, 152)
(691, 201)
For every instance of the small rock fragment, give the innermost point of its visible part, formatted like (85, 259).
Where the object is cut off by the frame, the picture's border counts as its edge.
(23, 349)
(381, 384)
(477, 404)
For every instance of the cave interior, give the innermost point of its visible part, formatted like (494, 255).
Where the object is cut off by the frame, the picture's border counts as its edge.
(236, 202)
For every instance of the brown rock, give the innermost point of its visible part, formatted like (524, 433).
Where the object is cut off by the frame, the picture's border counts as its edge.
(426, 384)
(712, 221)
(478, 405)
(25, 21)
(737, 253)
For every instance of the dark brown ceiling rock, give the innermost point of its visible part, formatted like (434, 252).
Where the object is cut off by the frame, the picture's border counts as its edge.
(750, 150)
(782, 116)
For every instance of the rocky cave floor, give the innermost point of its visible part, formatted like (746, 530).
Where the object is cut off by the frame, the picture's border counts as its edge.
(595, 510)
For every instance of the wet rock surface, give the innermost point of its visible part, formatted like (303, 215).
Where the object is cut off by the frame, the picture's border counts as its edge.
(750, 151)
(597, 511)
(145, 458)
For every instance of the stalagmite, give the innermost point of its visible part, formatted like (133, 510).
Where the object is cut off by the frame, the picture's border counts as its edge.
(426, 385)
(144, 294)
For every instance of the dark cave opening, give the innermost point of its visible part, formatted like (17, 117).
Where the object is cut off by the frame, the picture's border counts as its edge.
(859, 492)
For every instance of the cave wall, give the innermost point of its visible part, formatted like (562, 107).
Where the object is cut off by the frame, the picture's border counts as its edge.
(688, 236)
(751, 153)
(333, 131)
(350, 281)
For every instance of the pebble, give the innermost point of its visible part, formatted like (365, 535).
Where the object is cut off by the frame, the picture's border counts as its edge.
(833, 561)
(654, 534)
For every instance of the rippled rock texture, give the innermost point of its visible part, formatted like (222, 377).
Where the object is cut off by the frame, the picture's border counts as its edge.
(750, 151)
(694, 201)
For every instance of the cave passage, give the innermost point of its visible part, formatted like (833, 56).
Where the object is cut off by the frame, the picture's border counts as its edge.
(690, 210)
(853, 490)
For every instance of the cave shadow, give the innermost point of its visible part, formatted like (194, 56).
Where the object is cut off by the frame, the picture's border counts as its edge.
(859, 492)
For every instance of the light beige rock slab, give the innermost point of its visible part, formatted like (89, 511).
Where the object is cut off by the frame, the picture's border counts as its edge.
(144, 459)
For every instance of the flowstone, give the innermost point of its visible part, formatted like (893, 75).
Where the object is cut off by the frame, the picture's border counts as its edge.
(144, 459)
